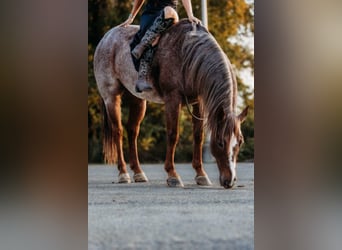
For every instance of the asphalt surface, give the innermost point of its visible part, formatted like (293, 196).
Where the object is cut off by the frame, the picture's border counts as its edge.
(154, 216)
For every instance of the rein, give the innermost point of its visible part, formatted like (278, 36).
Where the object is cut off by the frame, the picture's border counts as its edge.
(189, 110)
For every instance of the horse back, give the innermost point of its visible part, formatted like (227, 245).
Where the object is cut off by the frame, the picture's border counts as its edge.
(113, 65)
(169, 57)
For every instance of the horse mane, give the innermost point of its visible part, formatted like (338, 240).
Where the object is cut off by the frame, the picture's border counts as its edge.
(207, 69)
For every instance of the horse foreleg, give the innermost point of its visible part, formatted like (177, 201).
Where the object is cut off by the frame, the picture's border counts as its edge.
(198, 135)
(114, 136)
(137, 108)
(172, 109)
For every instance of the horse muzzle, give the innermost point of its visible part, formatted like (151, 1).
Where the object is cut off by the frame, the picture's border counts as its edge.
(226, 183)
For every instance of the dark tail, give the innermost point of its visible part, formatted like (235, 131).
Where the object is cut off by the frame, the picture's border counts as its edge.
(109, 146)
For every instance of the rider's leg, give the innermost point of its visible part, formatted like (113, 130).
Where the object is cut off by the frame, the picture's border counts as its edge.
(143, 83)
(165, 20)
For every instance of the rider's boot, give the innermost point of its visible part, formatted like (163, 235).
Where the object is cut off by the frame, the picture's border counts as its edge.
(159, 25)
(144, 81)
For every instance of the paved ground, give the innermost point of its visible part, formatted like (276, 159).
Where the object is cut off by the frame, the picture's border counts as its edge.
(154, 216)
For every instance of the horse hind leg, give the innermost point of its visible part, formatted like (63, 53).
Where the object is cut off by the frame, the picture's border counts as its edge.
(113, 136)
(201, 176)
(137, 108)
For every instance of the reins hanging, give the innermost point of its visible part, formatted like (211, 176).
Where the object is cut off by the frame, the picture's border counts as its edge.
(189, 110)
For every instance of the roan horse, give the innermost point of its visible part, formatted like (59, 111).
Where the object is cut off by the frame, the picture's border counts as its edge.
(189, 68)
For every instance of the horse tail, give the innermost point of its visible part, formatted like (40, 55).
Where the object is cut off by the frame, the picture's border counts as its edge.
(109, 146)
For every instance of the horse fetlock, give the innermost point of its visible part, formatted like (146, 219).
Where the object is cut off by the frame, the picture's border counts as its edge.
(124, 178)
(198, 166)
(174, 181)
(140, 177)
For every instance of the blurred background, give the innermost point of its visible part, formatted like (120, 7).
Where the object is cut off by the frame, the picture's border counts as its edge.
(232, 25)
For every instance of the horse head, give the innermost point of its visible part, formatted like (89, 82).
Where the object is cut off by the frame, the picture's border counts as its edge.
(226, 149)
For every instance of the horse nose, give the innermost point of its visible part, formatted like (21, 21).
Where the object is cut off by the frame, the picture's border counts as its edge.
(228, 184)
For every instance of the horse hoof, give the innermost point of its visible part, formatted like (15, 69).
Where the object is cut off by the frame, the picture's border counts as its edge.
(124, 178)
(174, 182)
(203, 180)
(141, 177)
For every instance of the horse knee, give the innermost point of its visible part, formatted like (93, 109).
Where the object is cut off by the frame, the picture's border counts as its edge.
(169, 12)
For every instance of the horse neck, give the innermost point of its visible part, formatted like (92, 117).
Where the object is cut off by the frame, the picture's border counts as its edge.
(219, 110)
(206, 71)
(216, 89)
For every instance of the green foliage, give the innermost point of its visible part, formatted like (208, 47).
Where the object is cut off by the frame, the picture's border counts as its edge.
(227, 19)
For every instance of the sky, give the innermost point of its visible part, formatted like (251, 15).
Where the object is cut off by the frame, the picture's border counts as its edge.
(246, 74)
(247, 42)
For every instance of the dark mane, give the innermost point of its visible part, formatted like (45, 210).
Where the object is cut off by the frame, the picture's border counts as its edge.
(207, 70)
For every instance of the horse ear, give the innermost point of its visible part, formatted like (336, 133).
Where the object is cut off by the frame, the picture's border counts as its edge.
(243, 115)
